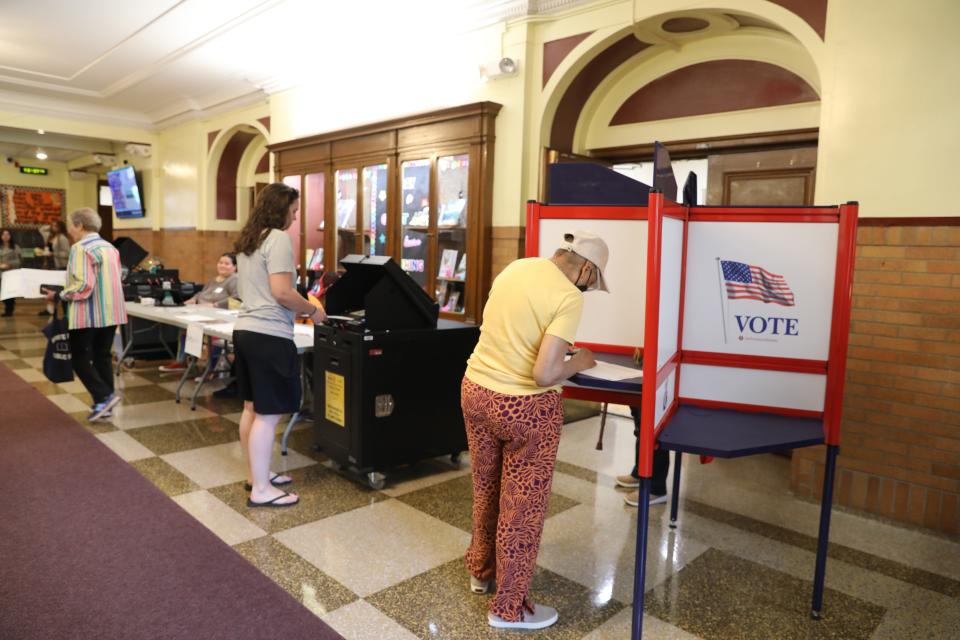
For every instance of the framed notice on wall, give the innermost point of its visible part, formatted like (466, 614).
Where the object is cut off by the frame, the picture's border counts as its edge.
(30, 206)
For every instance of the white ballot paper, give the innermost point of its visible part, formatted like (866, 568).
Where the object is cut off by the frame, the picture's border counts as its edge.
(194, 317)
(305, 329)
(194, 342)
(607, 371)
(26, 283)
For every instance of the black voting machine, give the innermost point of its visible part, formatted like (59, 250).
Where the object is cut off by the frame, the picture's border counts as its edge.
(387, 372)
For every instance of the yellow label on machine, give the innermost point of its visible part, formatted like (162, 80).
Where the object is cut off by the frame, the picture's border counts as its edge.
(334, 409)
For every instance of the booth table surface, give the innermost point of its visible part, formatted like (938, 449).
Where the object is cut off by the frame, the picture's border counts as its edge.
(729, 433)
(628, 385)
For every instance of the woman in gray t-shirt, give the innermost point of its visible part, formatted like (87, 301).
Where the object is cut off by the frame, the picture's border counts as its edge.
(266, 358)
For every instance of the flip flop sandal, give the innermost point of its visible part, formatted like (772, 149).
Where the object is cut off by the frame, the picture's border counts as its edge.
(273, 480)
(273, 503)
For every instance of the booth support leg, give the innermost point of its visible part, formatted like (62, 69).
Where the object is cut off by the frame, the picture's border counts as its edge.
(826, 504)
(640, 567)
(675, 496)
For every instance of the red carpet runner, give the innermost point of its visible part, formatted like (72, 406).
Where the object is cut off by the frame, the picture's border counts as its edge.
(91, 549)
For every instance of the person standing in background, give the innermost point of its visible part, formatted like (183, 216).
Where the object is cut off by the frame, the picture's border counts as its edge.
(95, 308)
(58, 244)
(9, 259)
(268, 375)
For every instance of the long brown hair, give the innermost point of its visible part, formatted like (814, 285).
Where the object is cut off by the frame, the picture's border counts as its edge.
(13, 243)
(270, 211)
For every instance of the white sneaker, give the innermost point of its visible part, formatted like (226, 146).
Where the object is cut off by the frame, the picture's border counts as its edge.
(480, 587)
(633, 499)
(542, 618)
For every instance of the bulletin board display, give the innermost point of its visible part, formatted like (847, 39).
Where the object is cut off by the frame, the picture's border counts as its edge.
(30, 206)
(612, 321)
(760, 288)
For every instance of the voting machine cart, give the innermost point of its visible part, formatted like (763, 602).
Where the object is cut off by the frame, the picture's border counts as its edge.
(387, 373)
(743, 319)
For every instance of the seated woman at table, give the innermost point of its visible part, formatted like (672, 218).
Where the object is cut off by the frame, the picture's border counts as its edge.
(9, 259)
(217, 293)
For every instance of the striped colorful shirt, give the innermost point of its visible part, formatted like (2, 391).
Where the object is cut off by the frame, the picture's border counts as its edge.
(94, 285)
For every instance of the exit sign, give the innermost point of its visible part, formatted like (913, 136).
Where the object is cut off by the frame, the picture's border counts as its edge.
(34, 171)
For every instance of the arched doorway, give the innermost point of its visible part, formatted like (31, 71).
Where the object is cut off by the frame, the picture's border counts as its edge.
(739, 91)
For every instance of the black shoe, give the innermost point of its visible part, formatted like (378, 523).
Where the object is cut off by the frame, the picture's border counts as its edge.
(5, 315)
(229, 391)
(43, 313)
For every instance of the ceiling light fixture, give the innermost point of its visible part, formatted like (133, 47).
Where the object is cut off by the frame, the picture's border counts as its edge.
(41, 131)
(41, 154)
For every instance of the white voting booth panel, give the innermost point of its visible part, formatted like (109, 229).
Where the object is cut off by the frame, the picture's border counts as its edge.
(671, 270)
(664, 397)
(785, 389)
(803, 255)
(616, 317)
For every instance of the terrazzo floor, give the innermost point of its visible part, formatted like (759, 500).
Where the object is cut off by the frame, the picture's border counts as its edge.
(388, 564)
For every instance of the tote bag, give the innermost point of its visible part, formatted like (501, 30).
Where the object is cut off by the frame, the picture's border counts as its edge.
(56, 361)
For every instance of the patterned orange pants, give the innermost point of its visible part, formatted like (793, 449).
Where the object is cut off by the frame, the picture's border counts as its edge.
(513, 444)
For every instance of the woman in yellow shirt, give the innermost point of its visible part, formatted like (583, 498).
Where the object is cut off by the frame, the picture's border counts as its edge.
(513, 414)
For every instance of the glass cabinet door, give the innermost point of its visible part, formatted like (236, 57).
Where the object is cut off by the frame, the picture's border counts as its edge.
(346, 211)
(415, 218)
(295, 229)
(312, 212)
(374, 206)
(452, 180)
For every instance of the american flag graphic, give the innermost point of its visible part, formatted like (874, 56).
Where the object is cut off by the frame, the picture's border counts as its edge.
(750, 282)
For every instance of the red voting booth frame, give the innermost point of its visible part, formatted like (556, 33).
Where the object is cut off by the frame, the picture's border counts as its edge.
(834, 368)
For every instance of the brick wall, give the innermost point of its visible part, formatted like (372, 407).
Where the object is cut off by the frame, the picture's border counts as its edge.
(507, 247)
(194, 253)
(900, 442)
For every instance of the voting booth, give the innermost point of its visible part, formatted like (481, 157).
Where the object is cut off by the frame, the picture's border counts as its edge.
(742, 314)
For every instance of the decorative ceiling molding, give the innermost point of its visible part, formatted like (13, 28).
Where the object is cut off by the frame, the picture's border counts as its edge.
(72, 110)
(483, 13)
(155, 64)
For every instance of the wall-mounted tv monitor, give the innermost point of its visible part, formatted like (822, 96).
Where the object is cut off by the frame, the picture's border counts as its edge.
(126, 192)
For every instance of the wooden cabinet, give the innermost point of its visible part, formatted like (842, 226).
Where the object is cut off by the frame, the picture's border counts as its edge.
(418, 189)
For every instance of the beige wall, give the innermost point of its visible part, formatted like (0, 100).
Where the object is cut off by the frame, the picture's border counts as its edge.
(889, 131)
(888, 127)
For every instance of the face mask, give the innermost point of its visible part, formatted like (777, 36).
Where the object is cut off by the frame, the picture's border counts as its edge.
(582, 287)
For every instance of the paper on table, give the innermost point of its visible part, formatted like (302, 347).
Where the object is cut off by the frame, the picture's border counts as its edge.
(608, 371)
(193, 345)
(26, 283)
(195, 317)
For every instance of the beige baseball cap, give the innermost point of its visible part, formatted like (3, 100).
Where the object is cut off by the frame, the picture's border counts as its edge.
(592, 247)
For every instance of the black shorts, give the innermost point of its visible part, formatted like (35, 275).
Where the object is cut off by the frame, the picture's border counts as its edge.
(268, 372)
